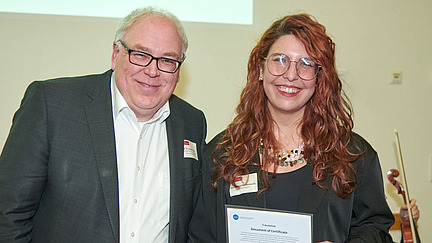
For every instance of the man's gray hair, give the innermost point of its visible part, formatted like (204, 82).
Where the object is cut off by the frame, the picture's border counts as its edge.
(151, 11)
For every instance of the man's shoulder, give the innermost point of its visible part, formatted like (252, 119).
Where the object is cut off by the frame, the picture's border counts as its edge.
(75, 80)
(68, 89)
(178, 104)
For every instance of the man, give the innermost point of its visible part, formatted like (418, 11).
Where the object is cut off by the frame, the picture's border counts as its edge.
(113, 157)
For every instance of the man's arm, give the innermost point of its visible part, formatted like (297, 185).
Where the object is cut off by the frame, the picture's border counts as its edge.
(23, 167)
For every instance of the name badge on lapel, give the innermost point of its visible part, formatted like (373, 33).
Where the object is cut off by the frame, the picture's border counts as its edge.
(247, 184)
(190, 150)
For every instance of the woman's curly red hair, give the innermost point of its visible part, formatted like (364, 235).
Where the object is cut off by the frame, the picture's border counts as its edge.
(326, 127)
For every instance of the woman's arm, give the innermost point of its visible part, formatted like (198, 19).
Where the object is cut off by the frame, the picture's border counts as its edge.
(371, 216)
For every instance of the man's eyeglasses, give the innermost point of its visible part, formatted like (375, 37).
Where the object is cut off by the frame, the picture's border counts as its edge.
(278, 64)
(144, 59)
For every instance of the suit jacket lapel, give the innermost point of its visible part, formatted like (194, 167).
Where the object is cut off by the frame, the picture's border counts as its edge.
(175, 141)
(100, 120)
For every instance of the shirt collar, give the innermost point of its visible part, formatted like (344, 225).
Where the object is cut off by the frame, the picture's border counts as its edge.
(119, 104)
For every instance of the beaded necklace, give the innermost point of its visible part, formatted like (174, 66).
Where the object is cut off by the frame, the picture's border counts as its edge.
(285, 158)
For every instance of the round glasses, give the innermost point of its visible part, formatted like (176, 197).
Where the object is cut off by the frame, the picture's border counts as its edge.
(278, 64)
(144, 59)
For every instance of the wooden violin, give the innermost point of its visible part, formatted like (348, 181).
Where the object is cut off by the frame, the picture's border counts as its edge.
(409, 231)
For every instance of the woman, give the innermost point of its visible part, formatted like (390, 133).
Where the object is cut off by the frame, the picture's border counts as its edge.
(294, 129)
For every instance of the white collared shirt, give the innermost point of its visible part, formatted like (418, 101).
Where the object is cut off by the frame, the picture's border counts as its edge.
(143, 172)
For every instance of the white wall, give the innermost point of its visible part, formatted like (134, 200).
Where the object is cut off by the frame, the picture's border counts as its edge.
(373, 38)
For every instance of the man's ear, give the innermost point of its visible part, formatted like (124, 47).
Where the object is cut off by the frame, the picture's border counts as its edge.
(114, 55)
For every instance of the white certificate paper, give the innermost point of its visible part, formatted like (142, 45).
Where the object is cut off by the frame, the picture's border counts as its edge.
(247, 224)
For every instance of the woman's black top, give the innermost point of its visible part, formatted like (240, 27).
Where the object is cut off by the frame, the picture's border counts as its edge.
(284, 190)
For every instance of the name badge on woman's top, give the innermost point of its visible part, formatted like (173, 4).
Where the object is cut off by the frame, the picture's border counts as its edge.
(246, 183)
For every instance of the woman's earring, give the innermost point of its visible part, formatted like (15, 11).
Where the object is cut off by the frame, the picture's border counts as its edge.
(260, 77)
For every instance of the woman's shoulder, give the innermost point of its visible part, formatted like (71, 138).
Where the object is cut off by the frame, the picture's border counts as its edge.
(360, 145)
(210, 146)
(367, 156)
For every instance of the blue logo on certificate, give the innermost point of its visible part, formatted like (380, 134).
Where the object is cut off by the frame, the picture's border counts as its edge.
(235, 217)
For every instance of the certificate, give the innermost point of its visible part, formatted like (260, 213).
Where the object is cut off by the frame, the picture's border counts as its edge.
(247, 224)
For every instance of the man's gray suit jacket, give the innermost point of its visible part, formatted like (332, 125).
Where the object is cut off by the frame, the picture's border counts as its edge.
(58, 168)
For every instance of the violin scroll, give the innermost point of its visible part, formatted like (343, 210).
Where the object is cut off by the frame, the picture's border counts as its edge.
(391, 175)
